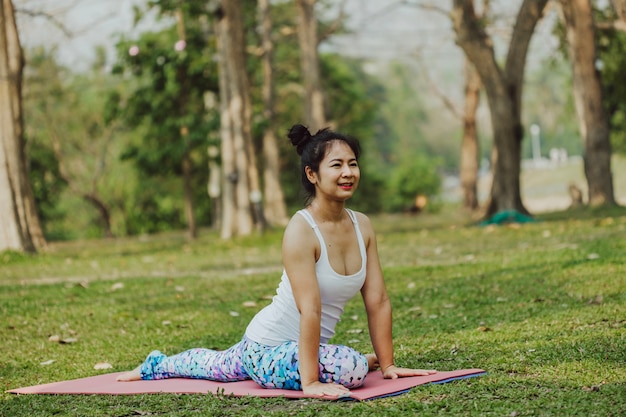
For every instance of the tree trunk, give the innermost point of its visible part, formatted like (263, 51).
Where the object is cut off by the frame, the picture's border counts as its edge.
(192, 228)
(20, 227)
(274, 202)
(503, 87)
(308, 38)
(235, 119)
(469, 145)
(228, 203)
(103, 212)
(592, 120)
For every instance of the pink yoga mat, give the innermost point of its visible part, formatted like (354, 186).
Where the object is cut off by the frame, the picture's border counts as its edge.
(375, 386)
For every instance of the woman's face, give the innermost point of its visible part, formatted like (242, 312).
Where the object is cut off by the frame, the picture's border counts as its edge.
(338, 174)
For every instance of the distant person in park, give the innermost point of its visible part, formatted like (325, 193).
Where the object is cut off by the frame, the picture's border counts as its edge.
(329, 254)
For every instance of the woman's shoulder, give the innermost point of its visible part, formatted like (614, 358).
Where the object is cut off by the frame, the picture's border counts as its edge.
(365, 224)
(298, 220)
(297, 228)
(299, 240)
(362, 218)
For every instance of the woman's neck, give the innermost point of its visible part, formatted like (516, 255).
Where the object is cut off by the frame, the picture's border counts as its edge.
(327, 211)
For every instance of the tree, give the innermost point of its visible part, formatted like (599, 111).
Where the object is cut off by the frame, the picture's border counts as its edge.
(469, 155)
(618, 23)
(469, 163)
(274, 200)
(503, 87)
(611, 51)
(69, 114)
(620, 9)
(593, 123)
(21, 229)
(309, 63)
(170, 72)
(238, 168)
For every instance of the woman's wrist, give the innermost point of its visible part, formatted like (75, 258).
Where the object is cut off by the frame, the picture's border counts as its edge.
(384, 368)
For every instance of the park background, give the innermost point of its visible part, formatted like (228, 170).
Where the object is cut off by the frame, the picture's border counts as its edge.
(103, 139)
(539, 305)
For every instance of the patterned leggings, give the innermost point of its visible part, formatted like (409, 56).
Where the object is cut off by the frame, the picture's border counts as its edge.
(268, 366)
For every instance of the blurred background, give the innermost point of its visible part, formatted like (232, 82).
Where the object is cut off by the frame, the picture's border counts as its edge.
(130, 122)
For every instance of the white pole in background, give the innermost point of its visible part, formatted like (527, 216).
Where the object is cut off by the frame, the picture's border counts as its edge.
(535, 132)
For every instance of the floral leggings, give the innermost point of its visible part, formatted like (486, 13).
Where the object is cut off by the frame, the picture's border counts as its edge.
(268, 366)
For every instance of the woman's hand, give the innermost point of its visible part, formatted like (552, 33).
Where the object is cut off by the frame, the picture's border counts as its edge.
(329, 391)
(393, 372)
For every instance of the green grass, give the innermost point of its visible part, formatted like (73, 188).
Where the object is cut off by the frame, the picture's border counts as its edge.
(541, 307)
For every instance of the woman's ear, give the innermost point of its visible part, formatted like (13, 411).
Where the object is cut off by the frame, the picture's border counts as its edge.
(311, 176)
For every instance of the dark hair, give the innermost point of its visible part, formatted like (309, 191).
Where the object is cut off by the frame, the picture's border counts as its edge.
(312, 150)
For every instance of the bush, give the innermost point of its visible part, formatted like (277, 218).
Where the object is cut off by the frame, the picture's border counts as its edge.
(413, 177)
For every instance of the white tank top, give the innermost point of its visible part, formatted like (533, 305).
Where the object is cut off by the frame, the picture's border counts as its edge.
(279, 322)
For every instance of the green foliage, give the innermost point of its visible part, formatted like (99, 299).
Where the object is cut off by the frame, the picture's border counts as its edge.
(65, 126)
(168, 81)
(405, 113)
(611, 46)
(611, 64)
(168, 97)
(352, 104)
(413, 176)
(46, 183)
(9, 257)
(353, 108)
(42, 93)
(548, 101)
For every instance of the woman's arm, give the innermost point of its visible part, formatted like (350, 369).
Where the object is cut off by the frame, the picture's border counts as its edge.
(300, 249)
(376, 299)
(378, 308)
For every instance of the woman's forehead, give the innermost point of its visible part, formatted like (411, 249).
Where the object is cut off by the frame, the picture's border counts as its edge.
(339, 149)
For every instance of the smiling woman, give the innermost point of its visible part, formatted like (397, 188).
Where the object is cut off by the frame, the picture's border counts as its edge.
(329, 255)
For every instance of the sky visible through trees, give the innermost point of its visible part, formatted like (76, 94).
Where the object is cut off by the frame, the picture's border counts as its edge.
(381, 30)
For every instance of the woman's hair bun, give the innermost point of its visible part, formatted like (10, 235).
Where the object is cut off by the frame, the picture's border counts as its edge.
(299, 136)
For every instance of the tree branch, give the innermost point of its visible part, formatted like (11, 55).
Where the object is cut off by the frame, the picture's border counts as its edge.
(47, 16)
(619, 25)
(427, 6)
(447, 102)
(336, 24)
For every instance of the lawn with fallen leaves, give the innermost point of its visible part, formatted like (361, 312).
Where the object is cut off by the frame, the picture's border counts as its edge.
(540, 306)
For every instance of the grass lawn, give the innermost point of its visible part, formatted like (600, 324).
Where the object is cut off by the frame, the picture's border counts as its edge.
(541, 307)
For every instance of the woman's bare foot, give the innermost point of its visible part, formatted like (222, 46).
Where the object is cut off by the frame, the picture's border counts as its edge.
(372, 362)
(134, 375)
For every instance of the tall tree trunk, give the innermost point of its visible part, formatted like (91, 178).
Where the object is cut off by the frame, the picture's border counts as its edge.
(274, 202)
(20, 227)
(192, 228)
(503, 87)
(235, 119)
(229, 174)
(592, 120)
(309, 60)
(469, 144)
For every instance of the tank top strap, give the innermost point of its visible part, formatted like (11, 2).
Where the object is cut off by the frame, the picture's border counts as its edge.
(352, 216)
(308, 217)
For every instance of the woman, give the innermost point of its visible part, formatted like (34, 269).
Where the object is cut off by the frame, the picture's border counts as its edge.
(329, 254)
